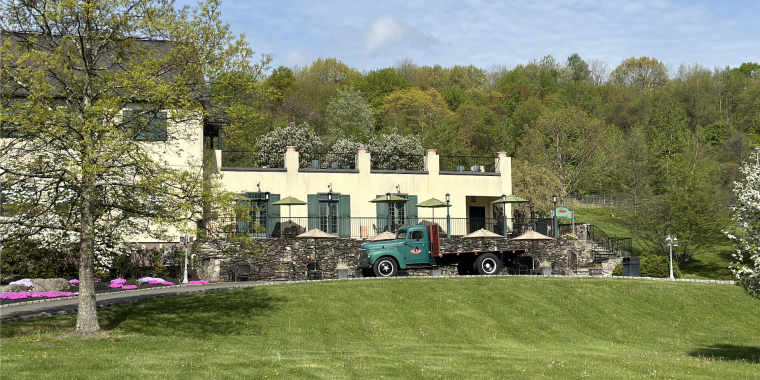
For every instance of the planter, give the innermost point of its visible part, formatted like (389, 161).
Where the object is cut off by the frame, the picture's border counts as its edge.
(545, 271)
(342, 274)
(437, 272)
(281, 275)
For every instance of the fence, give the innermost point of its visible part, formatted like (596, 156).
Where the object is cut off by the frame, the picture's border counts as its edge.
(601, 201)
(606, 244)
(411, 162)
(366, 227)
(328, 160)
(468, 164)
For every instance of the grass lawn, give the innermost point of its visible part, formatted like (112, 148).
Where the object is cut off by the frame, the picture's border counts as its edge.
(712, 264)
(411, 328)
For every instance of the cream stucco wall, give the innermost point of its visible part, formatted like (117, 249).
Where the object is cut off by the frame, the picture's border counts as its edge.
(364, 184)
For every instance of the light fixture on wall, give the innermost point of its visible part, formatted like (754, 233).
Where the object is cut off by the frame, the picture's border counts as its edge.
(329, 192)
(258, 185)
(398, 189)
(448, 215)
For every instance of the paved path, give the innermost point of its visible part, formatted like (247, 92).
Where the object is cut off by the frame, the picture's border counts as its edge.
(41, 308)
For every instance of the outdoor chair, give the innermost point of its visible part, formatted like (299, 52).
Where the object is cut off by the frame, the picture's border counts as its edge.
(313, 271)
(232, 273)
(243, 271)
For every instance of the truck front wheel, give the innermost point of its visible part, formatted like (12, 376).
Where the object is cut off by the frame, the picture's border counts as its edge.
(385, 267)
(488, 264)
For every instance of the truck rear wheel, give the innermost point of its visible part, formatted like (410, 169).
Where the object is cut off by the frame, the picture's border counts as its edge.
(488, 264)
(385, 267)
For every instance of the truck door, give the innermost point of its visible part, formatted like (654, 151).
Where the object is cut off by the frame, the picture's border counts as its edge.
(417, 246)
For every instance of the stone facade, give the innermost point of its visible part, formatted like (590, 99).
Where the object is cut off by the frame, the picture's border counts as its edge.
(295, 255)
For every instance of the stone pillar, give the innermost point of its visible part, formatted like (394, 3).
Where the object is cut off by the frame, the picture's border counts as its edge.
(363, 160)
(432, 162)
(291, 159)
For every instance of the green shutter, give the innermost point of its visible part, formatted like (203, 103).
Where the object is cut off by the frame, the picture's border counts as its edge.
(273, 216)
(313, 200)
(411, 210)
(242, 224)
(382, 215)
(344, 216)
(159, 127)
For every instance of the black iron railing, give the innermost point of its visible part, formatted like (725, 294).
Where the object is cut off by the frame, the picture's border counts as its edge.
(606, 245)
(328, 160)
(407, 162)
(468, 164)
(364, 227)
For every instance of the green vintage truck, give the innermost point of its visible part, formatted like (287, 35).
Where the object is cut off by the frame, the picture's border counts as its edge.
(419, 247)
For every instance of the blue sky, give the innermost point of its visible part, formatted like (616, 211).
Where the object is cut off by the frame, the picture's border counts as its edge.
(374, 34)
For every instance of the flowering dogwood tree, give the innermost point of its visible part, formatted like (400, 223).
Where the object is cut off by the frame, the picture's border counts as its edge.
(746, 231)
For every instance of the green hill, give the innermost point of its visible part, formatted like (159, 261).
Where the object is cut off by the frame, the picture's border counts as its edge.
(711, 264)
(452, 328)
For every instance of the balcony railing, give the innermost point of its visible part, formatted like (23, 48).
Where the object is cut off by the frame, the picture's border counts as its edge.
(366, 227)
(328, 160)
(468, 164)
(239, 159)
(402, 162)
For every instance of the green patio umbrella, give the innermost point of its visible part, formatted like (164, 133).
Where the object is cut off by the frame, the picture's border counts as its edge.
(289, 201)
(433, 203)
(389, 198)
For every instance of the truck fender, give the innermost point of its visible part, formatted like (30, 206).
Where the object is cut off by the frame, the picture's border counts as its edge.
(374, 255)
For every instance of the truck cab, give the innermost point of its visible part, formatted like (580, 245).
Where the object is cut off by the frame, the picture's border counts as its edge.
(412, 248)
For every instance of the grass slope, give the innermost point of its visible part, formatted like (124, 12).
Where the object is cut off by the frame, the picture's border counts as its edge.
(711, 264)
(412, 328)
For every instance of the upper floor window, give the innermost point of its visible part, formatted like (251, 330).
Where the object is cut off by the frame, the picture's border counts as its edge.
(149, 127)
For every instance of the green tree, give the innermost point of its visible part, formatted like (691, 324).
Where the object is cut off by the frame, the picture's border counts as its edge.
(349, 116)
(283, 81)
(416, 109)
(75, 168)
(641, 73)
(271, 147)
(569, 142)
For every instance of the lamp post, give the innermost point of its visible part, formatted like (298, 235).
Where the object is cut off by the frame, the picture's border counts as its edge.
(266, 214)
(554, 217)
(671, 242)
(388, 198)
(448, 215)
(504, 212)
(185, 240)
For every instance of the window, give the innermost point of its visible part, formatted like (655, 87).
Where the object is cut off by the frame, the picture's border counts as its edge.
(417, 235)
(328, 212)
(147, 127)
(7, 128)
(401, 234)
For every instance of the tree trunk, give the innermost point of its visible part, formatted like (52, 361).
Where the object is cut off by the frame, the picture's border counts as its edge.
(87, 315)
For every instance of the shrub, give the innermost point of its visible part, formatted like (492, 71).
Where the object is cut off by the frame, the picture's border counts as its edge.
(618, 270)
(658, 266)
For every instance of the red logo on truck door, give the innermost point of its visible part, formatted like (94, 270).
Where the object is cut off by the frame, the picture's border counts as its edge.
(416, 251)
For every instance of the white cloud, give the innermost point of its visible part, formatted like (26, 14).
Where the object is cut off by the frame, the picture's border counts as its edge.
(385, 33)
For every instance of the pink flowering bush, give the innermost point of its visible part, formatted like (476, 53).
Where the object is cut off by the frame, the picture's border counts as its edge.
(200, 282)
(129, 287)
(96, 280)
(115, 285)
(74, 281)
(150, 280)
(167, 283)
(23, 295)
(120, 281)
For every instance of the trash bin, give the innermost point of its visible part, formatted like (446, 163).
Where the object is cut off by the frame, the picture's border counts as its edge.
(632, 266)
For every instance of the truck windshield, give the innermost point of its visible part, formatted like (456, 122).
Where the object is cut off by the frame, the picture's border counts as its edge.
(401, 234)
